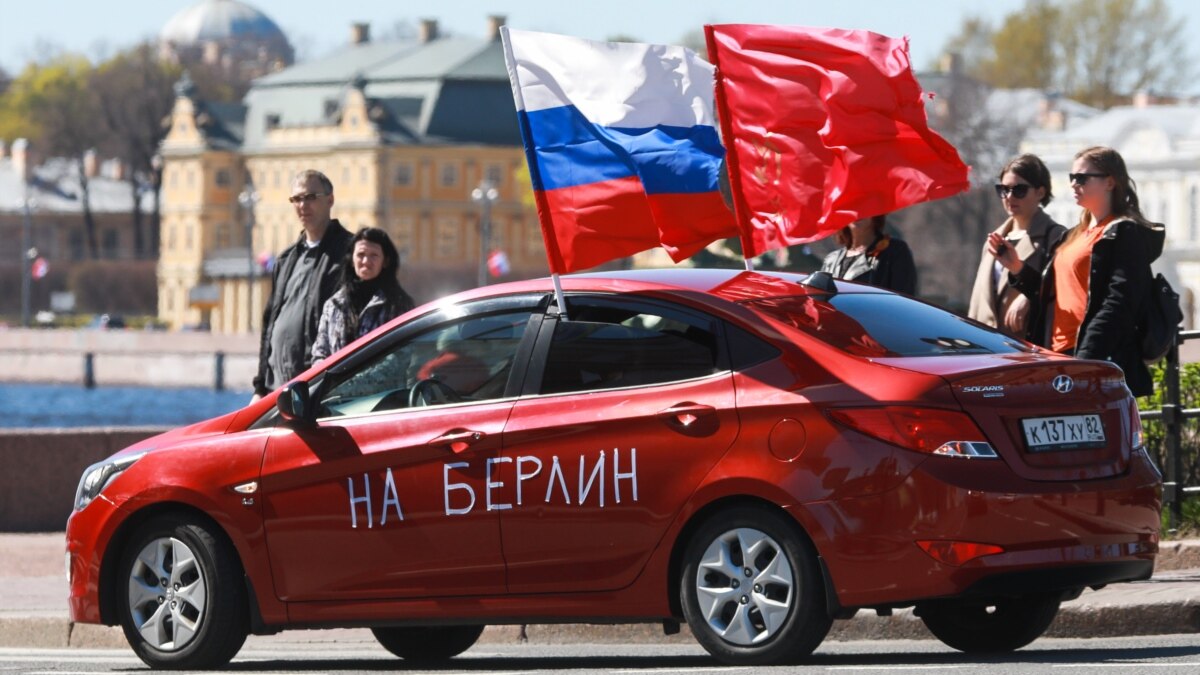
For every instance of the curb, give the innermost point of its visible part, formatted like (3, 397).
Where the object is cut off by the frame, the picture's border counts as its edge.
(1078, 621)
(1169, 603)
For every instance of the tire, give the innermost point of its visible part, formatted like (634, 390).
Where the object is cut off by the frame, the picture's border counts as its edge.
(1002, 626)
(182, 597)
(428, 644)
(781, 617)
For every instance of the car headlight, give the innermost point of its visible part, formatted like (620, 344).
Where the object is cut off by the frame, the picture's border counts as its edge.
(97, 476)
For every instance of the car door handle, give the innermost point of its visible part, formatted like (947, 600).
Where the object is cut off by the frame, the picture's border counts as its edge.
(687, 413)
(458, 439)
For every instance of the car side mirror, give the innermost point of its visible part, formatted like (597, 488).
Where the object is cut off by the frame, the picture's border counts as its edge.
(294, 404)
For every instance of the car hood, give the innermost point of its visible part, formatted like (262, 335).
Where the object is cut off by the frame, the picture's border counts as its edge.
(167, 440)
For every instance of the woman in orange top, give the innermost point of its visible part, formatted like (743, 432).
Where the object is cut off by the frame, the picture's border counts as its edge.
(1092, 292)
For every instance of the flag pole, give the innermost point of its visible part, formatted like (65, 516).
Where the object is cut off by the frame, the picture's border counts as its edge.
(558, 296)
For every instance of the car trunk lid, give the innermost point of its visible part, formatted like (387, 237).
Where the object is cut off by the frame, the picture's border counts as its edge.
(1049, 419)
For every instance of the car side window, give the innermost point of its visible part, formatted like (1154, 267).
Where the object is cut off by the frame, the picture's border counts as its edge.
(462, 361)
(606, 347)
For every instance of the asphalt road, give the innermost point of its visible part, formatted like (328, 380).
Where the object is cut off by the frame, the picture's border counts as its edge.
(1161, 655)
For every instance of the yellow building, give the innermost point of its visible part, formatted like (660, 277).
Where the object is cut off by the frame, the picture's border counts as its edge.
(406, 130)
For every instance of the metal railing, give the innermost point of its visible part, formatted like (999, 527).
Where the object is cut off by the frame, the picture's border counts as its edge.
(1172, 414)
(213, 362)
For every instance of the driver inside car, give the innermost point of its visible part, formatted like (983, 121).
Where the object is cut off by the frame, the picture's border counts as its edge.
(456, 365)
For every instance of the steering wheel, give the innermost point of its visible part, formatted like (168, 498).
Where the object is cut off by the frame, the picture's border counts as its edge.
(432, 391)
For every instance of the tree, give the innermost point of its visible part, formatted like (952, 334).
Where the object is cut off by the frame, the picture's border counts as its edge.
(53, 105)
(135, 96)
(1098, 52)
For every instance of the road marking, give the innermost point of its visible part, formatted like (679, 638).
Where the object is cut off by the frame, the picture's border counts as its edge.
(1126, 664)
(928, 667)
(698, 669)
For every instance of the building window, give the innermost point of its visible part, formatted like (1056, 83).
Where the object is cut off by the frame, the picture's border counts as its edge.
(364, 176)
(273, 120)
(75, 243)
(109, 243)
(447, 236)
(494, 173)
(402, 234)
(404, 174)
(533, 240)
(1194, 224)
(221, 236)
(449, 175)
(188, 240)
(223, 179)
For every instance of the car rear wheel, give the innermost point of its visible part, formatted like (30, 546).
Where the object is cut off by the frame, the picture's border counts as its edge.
(183, 602)
(751, 589)
(1001, 626)
(427, 644)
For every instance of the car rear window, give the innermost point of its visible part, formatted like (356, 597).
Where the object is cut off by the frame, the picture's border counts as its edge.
(885, 325)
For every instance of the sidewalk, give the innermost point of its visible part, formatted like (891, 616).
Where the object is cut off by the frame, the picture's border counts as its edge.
(33, 608)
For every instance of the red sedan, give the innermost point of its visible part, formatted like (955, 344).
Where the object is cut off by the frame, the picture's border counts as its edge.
(756, 454)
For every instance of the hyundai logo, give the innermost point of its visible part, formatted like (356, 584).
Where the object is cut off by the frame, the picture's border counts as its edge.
(1063, 384)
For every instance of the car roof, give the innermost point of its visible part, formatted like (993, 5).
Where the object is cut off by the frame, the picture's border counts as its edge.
(732, 285)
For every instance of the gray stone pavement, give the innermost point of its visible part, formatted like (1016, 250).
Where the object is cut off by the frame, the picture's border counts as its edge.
(33, 608)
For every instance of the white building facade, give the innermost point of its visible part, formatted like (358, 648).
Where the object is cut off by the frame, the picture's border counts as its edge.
(1161, 148)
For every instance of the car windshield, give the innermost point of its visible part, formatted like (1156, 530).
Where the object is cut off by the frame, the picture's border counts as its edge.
(885, 325)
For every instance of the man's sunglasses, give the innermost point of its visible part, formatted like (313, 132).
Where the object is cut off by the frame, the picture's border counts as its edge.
(1081, 178)
(1017, 191)
(306, 198)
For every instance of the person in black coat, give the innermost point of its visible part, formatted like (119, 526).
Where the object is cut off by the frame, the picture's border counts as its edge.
(305, 275)
(1092, 293)
(869, 256)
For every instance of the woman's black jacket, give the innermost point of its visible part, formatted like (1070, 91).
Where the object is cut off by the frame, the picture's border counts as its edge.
(1118, 282)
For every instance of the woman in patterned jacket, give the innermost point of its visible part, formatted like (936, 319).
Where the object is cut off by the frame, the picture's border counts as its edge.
(369, 297)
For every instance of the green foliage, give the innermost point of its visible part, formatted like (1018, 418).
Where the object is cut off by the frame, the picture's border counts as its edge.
(1189, 447)
(1099, 52)
(52, 105)
(1189, 526)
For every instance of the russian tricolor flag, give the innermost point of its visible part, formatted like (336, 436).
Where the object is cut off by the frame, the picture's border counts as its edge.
(622, 147)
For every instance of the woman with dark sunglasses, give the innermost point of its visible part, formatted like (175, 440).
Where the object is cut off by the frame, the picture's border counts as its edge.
(1027, 236)
(1094, 289)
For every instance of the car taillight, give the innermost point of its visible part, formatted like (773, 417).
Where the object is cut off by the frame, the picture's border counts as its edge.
(957, 552)
(927, 430)
(1136, 440)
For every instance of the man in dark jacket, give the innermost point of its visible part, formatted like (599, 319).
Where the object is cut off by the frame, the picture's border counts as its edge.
(306, 274)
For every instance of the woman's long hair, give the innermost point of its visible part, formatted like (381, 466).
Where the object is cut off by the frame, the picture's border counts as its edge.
(359, 292)
(1124, 195)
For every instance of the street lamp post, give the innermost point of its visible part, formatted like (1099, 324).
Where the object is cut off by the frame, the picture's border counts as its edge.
(248, 199)
(28, 255)
(484, 195)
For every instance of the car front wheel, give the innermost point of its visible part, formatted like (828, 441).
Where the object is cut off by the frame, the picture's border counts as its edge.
(751, 589)
(428, 644)
(1001, 626)
(183, 602)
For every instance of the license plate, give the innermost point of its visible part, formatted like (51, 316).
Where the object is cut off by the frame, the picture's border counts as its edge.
(1063, 432)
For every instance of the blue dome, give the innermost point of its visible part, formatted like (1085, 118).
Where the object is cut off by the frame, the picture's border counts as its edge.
(220, 21)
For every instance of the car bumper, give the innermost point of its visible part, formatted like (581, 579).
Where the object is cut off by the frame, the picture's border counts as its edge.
(88, 534)
(1054, 535)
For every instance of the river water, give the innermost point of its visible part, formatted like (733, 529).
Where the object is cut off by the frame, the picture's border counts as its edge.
(59, 405)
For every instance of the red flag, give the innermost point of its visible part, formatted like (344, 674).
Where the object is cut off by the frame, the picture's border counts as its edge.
(822, 127)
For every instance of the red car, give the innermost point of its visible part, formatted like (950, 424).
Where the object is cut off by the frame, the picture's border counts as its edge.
(757, 454)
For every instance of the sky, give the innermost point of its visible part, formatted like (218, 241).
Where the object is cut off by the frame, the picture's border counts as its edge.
(29, 28)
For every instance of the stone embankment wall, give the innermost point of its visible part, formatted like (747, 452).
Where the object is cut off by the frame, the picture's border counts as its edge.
(42, 467)
(127, 357)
